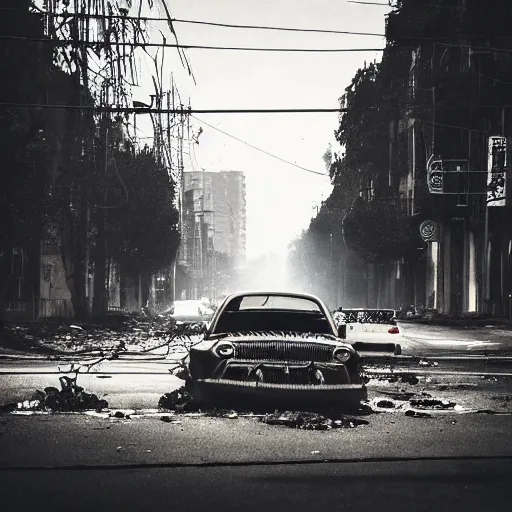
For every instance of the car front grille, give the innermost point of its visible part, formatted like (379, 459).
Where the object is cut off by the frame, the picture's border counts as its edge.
(283, 351)
(280, 376)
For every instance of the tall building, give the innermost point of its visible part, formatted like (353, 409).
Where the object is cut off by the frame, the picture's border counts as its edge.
(213, 233)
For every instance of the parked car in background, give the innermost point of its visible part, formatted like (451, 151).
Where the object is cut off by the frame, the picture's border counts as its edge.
(191, 312)
(372, 330)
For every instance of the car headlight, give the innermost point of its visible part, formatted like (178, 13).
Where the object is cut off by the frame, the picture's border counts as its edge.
(224, 350)
(341, 354)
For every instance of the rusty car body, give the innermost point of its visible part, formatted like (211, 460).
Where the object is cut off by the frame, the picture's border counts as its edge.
(275, 346)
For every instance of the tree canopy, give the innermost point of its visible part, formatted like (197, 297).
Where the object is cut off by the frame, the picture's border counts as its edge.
(143, 221)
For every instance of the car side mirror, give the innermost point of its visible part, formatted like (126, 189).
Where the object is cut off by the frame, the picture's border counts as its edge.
(342, 331)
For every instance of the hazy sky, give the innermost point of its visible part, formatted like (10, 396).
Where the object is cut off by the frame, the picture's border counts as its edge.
(280, 198)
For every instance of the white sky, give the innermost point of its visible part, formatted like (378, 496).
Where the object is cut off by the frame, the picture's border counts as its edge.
(280, 198)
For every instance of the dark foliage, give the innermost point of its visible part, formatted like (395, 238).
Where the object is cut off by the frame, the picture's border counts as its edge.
(143, 231)
(378, 230)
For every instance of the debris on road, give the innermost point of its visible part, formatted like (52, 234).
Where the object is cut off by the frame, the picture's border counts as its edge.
(69, 398)
(504, 397)
(430, 364)
(417, 414)
(400, 395)
(118, 332)
(310, 421)
(178, 400)
(388, 404)
(427, 403)
(388, 376)
(379, 404)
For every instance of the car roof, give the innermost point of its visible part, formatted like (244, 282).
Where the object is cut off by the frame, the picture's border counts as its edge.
(274, 293)
(341, 310)
(298, 295)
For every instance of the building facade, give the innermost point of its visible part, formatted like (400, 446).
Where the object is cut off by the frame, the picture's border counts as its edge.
(454, 136)
(213, 233)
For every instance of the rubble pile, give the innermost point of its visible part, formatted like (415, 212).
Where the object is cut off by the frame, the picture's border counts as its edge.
(130, 332)
(311, 421)
(181, 401)
(70, 398)
(178, 400)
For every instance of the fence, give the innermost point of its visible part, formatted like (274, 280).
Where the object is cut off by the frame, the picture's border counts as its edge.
(19, 310)
(117, 309)
(55, 307)
(23, 310)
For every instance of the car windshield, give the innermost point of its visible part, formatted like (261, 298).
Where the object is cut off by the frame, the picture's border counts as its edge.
(272, 313)
(265, 302)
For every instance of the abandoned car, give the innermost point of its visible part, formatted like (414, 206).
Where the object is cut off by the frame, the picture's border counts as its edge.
(275, 346)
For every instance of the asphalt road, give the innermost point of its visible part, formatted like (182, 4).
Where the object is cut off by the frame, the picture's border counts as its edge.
(457, 459)
(63, 462)
(420, 486)
(421, 339)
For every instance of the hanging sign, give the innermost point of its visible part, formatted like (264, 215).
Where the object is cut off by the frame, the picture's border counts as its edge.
(497, 171)
(435, 176)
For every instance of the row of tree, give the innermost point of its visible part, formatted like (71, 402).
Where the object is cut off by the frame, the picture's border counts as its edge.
(72, 176)
(350, 221)
(442, 88)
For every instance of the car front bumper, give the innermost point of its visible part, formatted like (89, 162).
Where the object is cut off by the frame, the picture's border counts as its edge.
(287, 394)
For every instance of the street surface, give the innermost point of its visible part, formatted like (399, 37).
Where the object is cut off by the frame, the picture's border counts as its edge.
(421, 339)
(394, 463)
(454, 459)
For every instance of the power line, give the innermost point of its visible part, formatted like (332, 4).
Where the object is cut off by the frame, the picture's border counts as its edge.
(64, 42)
(250, 27)
(367, 3)
(183, 111)
(199, 22)
(287, 29)
(262, 150)
(190, 110)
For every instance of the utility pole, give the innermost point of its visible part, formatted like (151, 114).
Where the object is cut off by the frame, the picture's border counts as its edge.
(100, 300)
(181, 177)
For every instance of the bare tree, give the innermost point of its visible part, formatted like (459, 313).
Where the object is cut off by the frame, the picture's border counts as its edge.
(95, 43)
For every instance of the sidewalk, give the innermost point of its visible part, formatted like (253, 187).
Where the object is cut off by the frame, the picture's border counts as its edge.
(62, 336)
(468, 322)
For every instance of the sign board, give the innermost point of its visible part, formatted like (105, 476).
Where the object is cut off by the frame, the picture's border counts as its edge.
(428, 231)
(452, 176)
(497, 171)
(435, 176)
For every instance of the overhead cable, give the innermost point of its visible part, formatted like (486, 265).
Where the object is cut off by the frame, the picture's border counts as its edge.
(184, 111)
(262, 150)
(133, 44)
(200, 22)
